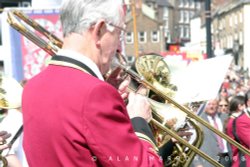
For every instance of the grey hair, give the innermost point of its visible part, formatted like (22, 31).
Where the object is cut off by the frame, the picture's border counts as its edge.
(77, 16)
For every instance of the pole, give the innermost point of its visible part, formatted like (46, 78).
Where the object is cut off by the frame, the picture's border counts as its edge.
(208, 28)
(134, 28)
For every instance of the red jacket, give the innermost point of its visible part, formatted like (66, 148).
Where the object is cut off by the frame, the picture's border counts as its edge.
(73, 119)
(243, 132)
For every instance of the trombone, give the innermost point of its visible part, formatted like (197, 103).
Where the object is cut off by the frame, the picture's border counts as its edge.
(53, 44)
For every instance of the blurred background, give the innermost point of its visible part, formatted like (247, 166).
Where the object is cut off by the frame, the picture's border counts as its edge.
(182, 31)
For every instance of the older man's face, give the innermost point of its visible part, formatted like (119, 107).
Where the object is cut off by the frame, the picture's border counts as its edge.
(211, 107)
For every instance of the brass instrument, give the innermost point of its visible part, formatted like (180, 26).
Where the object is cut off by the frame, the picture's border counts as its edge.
(176, 120)
(14, 18)
(50, 46)
(152, 66)
(3, 160)
(10, 98)
(10, 93)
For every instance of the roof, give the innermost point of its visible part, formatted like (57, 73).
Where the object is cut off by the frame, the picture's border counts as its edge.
(231, 5)
(146, 11)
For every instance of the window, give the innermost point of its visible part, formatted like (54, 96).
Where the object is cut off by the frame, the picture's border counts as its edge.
(191, 3)
(129, 38)
(191, 14)
(186, 32)
(236, 36)
(197, 5)
(130, 59)
(181, 31)
(142, 37)
(220, 25)
(240, 17)
(185, 3)
(230, 21)
(165, 13)
(181, 16)
(155, 36)
(185, 17)
(166, 24)
(236, 19)
(166, 32)
(180, 3)
(229, 41)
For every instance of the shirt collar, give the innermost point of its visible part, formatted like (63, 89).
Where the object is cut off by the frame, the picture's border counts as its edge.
(215, 116)
(84, 59)
(236, 114)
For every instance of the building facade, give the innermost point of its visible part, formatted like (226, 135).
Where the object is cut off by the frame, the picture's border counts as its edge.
(230, 30)
(164, 11)
(185, 10)
(150, 33)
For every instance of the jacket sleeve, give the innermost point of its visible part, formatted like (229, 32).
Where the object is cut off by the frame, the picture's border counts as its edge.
(166, 150)
(110, 134)
(243, 130)
(142, 128)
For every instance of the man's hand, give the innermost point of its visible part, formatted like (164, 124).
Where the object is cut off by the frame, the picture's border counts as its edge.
(138, 106)
(184, 133)
(123, 88)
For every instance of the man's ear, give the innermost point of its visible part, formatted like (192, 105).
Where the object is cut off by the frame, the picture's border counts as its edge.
(98, 31)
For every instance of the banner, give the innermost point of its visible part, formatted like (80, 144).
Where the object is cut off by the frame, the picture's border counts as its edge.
(201, 80)
(25, 58)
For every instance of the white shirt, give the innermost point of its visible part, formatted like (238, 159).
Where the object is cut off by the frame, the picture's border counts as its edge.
(81, 58)
(220, 126)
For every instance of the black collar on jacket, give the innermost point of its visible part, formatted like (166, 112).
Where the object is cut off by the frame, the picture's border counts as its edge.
(75, 62)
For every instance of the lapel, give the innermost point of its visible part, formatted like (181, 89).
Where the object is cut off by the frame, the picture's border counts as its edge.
(208, 131)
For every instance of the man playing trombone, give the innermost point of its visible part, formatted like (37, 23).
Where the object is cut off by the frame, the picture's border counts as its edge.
(71, 116)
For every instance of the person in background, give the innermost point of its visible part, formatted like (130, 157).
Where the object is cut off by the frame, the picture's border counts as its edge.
(226, 83)
(72, 117)
(223, 105)
(247, 101)
(213, 145)
(224, 93)
(238, 129)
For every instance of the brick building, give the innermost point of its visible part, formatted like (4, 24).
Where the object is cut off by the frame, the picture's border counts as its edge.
(149, 32)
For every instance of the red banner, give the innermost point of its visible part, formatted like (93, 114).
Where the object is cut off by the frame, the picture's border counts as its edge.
(33, 57)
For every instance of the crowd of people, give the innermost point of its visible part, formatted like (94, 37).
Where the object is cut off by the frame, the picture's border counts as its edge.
(72, 117)
(230, 105)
